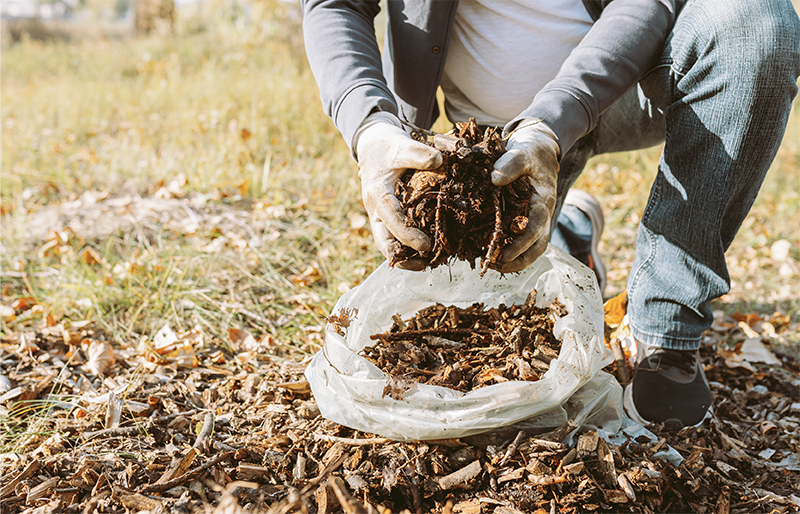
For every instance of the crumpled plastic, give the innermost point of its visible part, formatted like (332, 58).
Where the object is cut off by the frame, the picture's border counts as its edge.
(349, 389)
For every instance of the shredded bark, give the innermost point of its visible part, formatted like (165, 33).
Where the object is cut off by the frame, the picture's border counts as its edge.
(465, 215)
(465, 349)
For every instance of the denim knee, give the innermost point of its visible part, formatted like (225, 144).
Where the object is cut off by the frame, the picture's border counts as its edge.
(753, 34)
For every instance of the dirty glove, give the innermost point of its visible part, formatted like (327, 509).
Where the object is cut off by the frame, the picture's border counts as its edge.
(532, 151)
(384, 152)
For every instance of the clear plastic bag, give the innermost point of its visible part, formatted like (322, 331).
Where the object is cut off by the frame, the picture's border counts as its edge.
(349, 389)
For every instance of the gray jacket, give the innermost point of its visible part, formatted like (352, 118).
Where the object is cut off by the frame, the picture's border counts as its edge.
(625, 41)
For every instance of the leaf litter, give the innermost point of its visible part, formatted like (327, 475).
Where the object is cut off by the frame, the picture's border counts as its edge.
(196, 429)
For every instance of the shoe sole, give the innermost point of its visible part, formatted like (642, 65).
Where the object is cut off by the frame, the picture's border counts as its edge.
(673, 424)
(589, 205)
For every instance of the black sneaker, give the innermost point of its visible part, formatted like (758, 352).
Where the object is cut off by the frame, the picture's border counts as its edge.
(669, 387)
(590, 207)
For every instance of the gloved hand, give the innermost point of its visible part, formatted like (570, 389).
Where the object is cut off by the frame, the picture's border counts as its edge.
(384, 152)
(532, 151)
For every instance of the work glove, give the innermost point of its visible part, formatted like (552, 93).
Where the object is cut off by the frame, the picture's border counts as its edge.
(532, 152)
(384, 152)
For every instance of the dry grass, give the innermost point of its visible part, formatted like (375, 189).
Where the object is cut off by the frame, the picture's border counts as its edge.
(236, 112)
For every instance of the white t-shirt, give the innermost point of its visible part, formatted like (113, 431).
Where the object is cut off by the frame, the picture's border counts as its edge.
(502, 52)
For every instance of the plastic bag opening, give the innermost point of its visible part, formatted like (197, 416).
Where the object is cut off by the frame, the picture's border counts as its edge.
(349, 389)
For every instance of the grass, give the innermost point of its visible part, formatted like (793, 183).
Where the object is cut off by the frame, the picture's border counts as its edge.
(234, 111)
(232, 115)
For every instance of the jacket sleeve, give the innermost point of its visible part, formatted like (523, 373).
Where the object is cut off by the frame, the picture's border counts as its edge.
(621, 46)
(342, 50)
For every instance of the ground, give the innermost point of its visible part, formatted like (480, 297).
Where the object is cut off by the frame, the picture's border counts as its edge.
(193, 182)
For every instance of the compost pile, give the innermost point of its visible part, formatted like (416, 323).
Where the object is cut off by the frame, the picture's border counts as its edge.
(465, 349)
(204, 425)
(465, 215)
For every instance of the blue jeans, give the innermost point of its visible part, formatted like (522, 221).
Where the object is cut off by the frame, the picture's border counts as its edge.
(719, 98)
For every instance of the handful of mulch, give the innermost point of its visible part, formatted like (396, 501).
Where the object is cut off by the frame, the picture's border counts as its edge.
(465, 215)
(465, 349)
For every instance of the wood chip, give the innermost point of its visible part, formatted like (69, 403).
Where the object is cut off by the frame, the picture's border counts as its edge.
(325, 499)
(28, 472)
(464, 474)
(351, 441)
(587, 444)
(349, 504)
(514, 474)
(136, 501)
(626, 486)
(724, 501)
(606, 463)
(42, 490)
(245, 471)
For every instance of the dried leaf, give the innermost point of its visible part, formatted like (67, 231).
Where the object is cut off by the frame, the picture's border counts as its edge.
(615, 309)
(174, 189)
(753, 350)
(25, 303)
(748, 319)
(342, 319)
(26, 343)
(242, 339)
(734, 359)
(91, 256)
(100, 356)
(169, 348)
(310, 275)
(179, 466)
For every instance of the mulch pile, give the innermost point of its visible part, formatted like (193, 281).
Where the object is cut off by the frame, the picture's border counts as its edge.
(185, 425)
(465, 349)
(466, 216)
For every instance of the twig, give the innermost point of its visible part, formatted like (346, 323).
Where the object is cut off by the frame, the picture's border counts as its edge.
(350, 441)
(619, 358)
(208, 427)
(408, 334)
(512, 448)
(415, 128)
(464, 474)
(129, 431)
(494, 245)
(169, 417)
(157, 488)
(349, 504)
(547, 479)
(439, 233)
(550, 445)
(116, 432)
